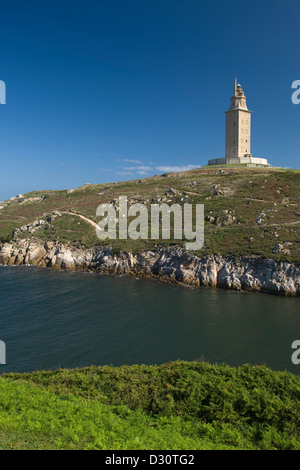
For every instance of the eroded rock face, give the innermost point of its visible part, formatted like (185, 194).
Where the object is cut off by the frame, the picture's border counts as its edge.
(172, 264)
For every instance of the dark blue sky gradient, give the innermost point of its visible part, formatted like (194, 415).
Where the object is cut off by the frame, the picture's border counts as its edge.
(113, 90)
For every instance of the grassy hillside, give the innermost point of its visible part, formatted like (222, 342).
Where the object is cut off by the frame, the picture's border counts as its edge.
(248, 210)
(179, 405)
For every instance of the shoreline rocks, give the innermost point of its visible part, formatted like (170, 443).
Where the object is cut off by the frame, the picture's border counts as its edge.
(252, 274)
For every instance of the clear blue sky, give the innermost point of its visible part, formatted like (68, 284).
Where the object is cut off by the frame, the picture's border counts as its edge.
(111, 90)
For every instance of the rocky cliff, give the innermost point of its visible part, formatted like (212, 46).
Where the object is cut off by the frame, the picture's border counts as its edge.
(172, 264)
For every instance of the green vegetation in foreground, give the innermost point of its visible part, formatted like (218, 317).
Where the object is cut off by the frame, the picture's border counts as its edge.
(179, 405)
(233, 198)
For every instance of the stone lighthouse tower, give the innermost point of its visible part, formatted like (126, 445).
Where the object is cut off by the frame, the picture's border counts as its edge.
(238, 133)
(238, 127)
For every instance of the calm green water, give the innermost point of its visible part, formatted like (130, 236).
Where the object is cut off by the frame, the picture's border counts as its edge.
(51, 319)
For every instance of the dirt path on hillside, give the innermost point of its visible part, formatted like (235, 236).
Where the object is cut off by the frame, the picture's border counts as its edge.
(89, 221)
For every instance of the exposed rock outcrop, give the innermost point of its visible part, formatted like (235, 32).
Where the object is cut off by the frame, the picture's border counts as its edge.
(172, 264)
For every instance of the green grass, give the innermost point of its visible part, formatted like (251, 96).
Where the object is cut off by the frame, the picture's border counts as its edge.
(179, 405)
